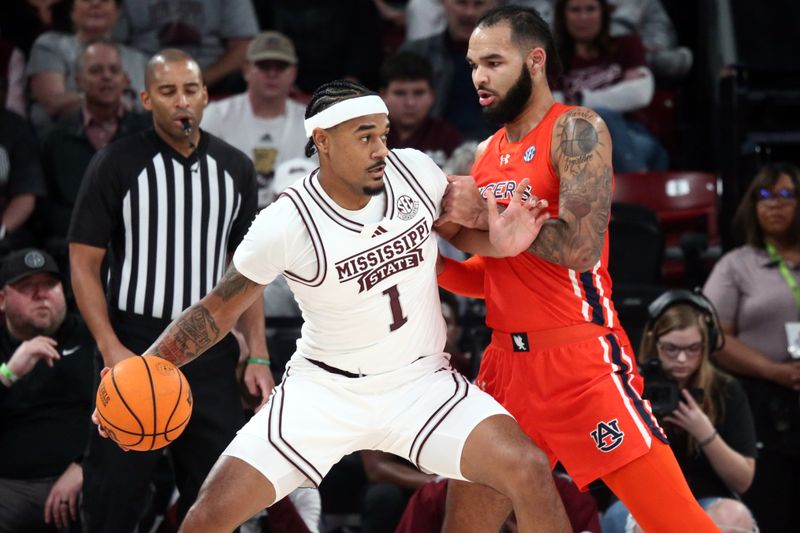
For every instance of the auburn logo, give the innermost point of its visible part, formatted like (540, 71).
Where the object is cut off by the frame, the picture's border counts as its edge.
(607, 435)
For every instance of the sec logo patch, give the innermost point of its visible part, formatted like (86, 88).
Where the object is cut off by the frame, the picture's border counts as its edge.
(529, 153)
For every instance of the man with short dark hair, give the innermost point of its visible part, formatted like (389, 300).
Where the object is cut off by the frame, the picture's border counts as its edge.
(407, 89)
(167, 207)
(45, 397)
(558, 359)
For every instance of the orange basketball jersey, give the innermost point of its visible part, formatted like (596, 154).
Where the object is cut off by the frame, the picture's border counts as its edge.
(526, 293)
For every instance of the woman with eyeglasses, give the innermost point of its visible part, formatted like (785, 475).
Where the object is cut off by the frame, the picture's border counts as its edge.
(756, 289)
(712, 437)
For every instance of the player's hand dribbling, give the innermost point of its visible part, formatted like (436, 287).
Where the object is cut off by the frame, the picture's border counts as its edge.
(512, 231)
(462, 203)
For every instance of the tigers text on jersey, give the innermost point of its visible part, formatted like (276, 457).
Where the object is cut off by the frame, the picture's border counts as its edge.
(527, 293)
(365, 280)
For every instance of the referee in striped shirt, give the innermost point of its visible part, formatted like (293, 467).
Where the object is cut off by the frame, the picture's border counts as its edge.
(167, 207)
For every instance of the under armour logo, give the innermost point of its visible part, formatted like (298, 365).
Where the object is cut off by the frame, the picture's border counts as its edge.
(607, 435)
(504, 159)
(380, 230)
(266, 137)
(520, 341)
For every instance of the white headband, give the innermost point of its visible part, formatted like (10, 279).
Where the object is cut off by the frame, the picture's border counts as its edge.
(344, 111)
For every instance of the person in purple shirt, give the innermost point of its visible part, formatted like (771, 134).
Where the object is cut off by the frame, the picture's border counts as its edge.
(756, 288)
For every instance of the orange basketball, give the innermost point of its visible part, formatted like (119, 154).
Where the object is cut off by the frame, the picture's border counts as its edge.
(144, 403)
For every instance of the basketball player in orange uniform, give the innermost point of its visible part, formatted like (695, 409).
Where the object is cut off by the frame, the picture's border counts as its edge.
(559, 360)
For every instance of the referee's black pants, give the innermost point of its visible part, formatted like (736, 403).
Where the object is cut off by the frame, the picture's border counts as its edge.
(116, 483)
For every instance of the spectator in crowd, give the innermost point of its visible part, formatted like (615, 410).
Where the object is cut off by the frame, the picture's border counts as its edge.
(22, 21)
(455, 99)
(610, 76)
(51, 66)
(459, 359)
(333, 39)
(47, 375)
(166, 207)
(390, 483)
(755, 289)
(650, 21)
(21, 180)
(424, 18)
(101, 119)
(12, 78)
(263, 122)
(407, 88)
(214, 32)
(712, 435)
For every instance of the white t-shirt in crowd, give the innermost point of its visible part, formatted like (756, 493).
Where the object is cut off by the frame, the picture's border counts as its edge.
(267, 141)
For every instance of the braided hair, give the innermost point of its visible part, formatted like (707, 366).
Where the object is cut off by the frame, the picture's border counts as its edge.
(328, 94)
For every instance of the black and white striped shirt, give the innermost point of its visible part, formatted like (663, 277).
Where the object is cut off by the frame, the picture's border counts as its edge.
(168, 222)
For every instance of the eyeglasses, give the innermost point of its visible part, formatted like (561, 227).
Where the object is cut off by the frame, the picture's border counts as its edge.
(783, 195)
(673, 350)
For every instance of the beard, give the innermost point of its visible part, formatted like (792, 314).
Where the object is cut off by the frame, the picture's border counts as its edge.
(374, 191)
(509, 108)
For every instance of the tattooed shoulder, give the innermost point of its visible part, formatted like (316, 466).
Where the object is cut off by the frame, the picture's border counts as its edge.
(577, 136)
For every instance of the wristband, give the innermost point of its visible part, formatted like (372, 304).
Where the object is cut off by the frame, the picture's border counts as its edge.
(259, 361)
(12, 377)
(708, 440)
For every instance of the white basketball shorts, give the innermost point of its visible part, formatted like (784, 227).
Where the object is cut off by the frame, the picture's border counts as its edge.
(423, 412)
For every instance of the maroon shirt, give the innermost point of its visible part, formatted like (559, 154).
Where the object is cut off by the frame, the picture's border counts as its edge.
(627, 53)
(433, 136)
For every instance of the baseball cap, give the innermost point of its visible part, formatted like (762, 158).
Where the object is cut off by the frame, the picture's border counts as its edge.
(271, 45)
(22, 263)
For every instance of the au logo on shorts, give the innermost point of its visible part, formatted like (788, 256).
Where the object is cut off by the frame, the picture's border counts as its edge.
(607, 435)
(529, 153)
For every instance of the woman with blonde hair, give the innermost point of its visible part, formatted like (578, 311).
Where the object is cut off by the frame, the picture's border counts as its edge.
(703, 410)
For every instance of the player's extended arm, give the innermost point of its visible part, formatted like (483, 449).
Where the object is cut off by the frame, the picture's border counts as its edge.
(581, 155)
(464, 278)
(510, 232)
(85, 265)
(257, 375)
(203, 324)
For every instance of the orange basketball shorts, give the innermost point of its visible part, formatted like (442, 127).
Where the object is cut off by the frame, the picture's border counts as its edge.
(576, 392)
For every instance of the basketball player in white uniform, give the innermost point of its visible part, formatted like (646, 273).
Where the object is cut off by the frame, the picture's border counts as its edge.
(354, 239)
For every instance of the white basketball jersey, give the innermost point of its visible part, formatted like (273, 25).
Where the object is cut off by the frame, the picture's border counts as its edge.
(373, 304)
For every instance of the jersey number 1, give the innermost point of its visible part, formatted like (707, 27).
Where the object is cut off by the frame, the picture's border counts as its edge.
(397, 312)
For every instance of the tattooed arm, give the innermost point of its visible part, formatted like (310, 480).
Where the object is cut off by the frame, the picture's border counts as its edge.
(200, 326)
(581, 155)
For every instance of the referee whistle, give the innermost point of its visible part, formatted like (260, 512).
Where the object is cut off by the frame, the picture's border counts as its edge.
(187, 126)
